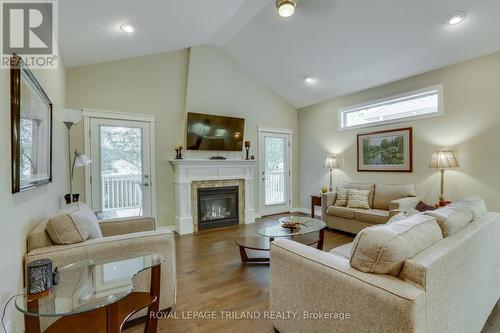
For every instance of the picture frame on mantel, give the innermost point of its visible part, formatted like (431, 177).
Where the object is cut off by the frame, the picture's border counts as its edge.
(31, 129)
(386, 151)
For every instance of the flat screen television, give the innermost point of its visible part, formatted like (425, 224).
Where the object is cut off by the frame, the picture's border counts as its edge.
(211, 132)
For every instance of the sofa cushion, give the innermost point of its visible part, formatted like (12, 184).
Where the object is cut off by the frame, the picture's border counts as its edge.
(451, 219)
(475, 204)
(383, 249)
(342, 196)
(73, 224)
(358, 199)
(362, 186)
(372, 216)
(384, 194)
(343, 250)
(347, 213)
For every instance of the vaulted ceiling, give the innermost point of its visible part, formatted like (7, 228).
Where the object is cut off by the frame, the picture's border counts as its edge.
(347, 45)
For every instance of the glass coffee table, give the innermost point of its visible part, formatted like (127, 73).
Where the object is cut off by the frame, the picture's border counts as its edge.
(309, 231)
(95, 296)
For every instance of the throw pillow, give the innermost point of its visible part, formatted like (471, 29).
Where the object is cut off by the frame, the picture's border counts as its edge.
(422, 207)
(451, 219)
(358, 199)
(85, 216)
(403, 215)
(475, 204)
(342, 195)
(73, 224)
(383, 249)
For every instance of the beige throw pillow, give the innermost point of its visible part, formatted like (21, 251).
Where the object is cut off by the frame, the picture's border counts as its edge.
(73, 224)
(358, 199)
(451, 219)
(342, 196)
(383, 249)
(475, 204)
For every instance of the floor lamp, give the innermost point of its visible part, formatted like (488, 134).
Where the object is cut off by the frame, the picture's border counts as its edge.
(70, 117)
(331, 163)
(443, 159)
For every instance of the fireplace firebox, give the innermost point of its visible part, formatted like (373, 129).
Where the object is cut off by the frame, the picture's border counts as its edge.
(218, 207)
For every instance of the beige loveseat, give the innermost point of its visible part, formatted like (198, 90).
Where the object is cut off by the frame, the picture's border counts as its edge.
(449, 287)
(120, 237)
(384, 200)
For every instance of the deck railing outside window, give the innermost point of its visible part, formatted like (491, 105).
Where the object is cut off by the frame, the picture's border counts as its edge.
(121, 191)
(275, 187)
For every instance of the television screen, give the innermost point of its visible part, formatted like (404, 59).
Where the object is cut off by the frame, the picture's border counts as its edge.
(210, 132)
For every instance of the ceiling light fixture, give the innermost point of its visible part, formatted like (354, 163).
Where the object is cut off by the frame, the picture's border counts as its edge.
(286, 8)
(310, 80)
(127, 27)
(456, 18)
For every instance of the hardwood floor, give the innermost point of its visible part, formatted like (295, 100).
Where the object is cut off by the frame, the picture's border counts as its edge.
(211, 277)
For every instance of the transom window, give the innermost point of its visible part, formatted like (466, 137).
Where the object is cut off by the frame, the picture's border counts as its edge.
(419, 104)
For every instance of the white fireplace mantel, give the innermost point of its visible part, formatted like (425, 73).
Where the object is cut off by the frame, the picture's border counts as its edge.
(188, 171)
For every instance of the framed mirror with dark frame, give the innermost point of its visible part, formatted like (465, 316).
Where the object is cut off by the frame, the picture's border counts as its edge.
(31, 129)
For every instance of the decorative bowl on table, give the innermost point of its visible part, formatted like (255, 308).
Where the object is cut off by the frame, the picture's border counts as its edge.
(290, 224)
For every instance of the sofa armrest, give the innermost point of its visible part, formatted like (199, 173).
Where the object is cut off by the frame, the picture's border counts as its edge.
(404, 204)
(157, 241)
(327, 200)
(127, 225)
(306, 280)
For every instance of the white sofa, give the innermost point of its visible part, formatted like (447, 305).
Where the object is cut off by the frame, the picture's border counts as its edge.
(452, 286)
(385, 201)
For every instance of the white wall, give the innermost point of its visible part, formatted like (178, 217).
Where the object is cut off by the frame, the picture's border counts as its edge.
(167, 85)
(154, 85)
(22, 211)
(470, 126)
(218, 85)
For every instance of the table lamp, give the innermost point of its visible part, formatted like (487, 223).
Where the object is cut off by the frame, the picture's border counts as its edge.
(331, 163)
(443, 159)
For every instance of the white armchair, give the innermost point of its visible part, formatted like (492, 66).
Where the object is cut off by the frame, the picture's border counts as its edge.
(120, 236)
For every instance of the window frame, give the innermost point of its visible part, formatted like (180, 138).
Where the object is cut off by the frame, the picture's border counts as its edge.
(439, 113)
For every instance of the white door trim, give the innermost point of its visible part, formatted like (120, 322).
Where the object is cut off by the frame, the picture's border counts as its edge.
(92, 113)
(276, 130)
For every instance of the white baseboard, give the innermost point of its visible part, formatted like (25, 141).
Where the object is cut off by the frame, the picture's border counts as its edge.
(300, 210)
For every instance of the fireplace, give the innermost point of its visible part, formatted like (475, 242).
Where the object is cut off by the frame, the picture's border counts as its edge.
(218, 207)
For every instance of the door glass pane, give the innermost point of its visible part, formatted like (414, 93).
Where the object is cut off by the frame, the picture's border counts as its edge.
(275, 170)
(121, 171)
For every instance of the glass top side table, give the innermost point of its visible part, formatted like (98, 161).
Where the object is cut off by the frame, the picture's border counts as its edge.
(95, 293)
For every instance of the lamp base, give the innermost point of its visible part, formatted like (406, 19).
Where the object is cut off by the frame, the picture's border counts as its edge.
(76, 198)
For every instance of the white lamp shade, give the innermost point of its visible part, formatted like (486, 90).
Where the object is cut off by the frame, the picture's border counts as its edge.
(81, 159)
(331, 162)
(443, 159)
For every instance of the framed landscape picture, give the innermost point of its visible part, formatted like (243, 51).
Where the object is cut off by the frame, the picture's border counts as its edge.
(386, 151)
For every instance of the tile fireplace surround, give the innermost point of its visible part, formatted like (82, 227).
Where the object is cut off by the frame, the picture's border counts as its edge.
(192, 174)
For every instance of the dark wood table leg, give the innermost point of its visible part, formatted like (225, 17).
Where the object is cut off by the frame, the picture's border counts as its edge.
(312, 208)
(32, 323)
(113, 326)
(154, 308)
(321, 239)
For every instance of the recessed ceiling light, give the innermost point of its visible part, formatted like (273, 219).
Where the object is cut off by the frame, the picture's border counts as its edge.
(456, 18)
(286, 8)
(127, 27)
(310, 80)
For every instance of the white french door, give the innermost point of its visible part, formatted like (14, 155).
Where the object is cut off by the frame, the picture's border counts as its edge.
(120, 173)
(274, 172)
